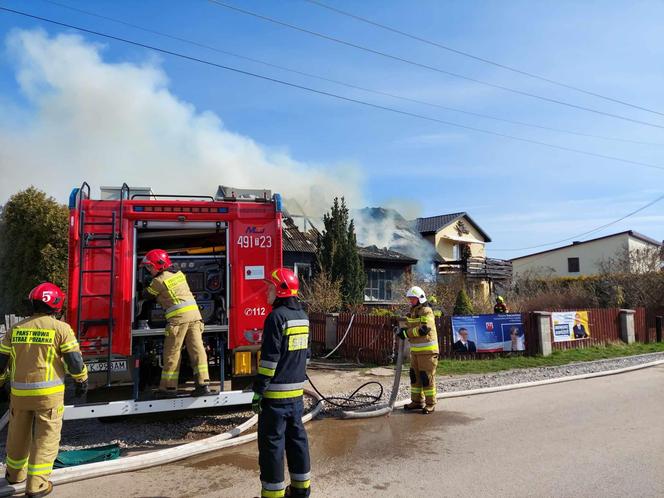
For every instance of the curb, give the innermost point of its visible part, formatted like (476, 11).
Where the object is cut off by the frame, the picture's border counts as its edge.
(524, 385)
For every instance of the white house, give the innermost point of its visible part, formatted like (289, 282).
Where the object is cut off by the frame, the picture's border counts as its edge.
(585, 258)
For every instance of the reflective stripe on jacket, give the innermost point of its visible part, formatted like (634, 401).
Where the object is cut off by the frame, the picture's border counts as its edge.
(36, 347)
(420, 325)
(284, 351)
(172, 292)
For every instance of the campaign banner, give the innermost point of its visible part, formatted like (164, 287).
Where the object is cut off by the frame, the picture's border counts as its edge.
(570, 325)
(488, 333)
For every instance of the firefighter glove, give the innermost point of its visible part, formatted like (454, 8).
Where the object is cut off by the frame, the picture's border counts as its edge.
(256, 403)
(81, 389)
(401, 333)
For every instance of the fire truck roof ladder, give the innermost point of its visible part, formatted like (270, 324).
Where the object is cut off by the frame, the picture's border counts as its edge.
(87, 244)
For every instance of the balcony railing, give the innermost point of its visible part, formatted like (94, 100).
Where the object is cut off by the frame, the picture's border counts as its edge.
(478, 268)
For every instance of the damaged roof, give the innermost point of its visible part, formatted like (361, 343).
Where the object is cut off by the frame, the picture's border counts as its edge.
(295, 240)
(375, 253)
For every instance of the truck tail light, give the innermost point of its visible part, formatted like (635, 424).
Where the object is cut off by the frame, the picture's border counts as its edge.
(242, 363)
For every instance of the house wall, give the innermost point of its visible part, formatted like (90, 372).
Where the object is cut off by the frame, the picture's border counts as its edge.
(640, 254)
(302, 258)
(590, 255)
(448, 237)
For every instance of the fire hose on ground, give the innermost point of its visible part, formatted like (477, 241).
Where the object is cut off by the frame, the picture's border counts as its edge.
(155, 458)
(234, 437)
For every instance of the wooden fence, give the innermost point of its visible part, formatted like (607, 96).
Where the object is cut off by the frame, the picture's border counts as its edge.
(371, 338)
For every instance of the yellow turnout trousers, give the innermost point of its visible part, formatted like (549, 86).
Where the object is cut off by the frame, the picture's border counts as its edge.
(190, 334)
(33, 439)
(423, 378)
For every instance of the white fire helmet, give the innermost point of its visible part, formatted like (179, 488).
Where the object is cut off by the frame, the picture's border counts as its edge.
(418, 293)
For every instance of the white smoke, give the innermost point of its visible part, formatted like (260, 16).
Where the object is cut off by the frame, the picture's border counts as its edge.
(108, 123)
(80, 117)
(386, 228)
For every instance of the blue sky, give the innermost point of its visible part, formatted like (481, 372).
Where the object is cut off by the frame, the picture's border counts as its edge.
(521, 194)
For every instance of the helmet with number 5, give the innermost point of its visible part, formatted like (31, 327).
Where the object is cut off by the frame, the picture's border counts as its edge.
(157, 259)
(285, 281)
(49, 294)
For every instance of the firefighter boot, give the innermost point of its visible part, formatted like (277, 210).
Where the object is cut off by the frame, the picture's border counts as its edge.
(39, 494)
(428, 409)
(413, 406)
(166, 393)
(10, 481)
(201, 390)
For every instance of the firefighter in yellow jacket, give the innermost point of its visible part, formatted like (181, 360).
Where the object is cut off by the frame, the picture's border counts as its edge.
(419, 327)
(185, 324)
(38, 351)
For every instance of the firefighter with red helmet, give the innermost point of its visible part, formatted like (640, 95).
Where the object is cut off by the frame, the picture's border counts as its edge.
(419, 326)
(38, 351)
(184, 323)
(278, 390)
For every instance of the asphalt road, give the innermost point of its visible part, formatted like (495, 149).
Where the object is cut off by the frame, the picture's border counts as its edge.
(601, 437)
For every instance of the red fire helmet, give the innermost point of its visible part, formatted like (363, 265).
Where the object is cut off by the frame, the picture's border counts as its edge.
(285, 281)
(157, 259)
(50, 294)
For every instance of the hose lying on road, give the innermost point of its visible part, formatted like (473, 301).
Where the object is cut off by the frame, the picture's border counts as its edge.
(379, 411)
(159, 457)
(350, 401)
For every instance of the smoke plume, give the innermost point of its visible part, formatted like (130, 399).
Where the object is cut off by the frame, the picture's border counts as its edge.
(80, 117)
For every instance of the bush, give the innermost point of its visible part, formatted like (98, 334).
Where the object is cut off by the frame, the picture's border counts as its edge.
(463, 306)
(322, 294)
(33, 247)
(610, 290)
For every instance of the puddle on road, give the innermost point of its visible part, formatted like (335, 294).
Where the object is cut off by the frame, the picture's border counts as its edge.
(400, 434)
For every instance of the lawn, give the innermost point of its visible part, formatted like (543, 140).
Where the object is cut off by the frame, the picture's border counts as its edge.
(460, 367)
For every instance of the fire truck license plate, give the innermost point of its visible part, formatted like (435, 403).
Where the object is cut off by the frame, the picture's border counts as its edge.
(102, 366)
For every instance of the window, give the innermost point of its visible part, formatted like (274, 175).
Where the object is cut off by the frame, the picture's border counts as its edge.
(573, 265)
(303, 271)
(380, 282)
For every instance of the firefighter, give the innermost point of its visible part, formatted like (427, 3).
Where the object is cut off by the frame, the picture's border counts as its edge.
(38, 351)
(500, 307)
(184, 324)
(278, 390)
(419, 327)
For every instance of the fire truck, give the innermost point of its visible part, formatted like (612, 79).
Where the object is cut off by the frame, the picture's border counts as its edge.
(225, 244)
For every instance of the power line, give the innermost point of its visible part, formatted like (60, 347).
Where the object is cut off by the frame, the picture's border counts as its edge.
(431, 68)
(589, 232)
(345, 84)
(333, 95)
(477, 58)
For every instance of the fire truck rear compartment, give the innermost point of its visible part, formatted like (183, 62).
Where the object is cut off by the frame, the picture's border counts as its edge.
(200, 253)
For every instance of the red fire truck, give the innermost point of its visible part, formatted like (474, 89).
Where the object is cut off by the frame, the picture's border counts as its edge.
(225, 244)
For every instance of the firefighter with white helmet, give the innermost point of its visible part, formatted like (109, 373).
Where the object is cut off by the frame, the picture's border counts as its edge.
(38, 351)
(184, 323)
(419, 326)
(278, 390)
